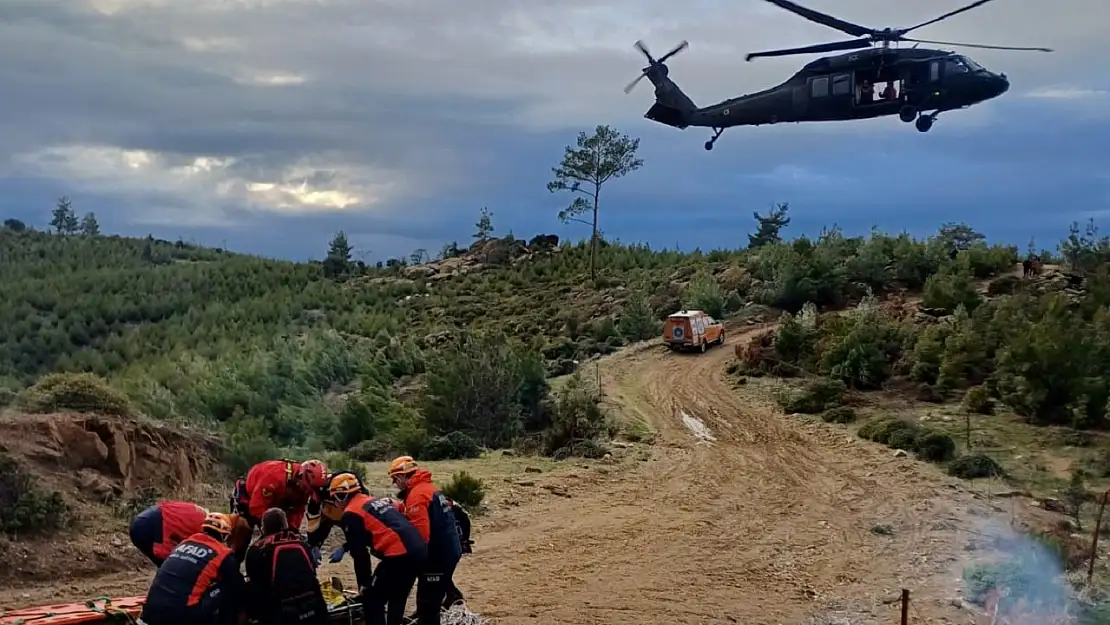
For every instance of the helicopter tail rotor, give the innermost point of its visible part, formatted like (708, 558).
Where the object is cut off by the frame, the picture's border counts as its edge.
(653, 62)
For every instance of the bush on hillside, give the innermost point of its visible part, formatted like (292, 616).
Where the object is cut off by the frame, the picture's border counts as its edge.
(376, 450)
(80, 392)
(638, 322)
(815, 397)
(340, 461)
(705, 294)
(487, 386)
(977, 400)
(248, 443)
(950, 288)
(576, 420)
(450, 446)
(975, 466)
(25, 508)
(466, 489)
(840, 414)
(898, 434)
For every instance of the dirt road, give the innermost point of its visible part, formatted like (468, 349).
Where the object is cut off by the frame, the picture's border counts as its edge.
(769, 522)
(741, 514)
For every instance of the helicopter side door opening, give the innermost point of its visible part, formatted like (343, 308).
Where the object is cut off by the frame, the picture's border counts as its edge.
(884, 86)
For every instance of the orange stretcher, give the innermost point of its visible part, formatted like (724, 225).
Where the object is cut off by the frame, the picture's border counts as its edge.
(101, 609)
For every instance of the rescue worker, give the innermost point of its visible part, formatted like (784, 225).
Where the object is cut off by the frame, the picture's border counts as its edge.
(430, 513)
(324, 513)
(199, 583)
(278, 484)
(282, 588)
(161, 527)
(375, 526)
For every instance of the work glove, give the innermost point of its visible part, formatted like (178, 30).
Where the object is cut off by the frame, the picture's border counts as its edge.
(338, 554)
(468, 546)
(316, 556)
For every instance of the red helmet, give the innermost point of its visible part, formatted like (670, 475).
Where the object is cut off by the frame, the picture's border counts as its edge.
(314, 474)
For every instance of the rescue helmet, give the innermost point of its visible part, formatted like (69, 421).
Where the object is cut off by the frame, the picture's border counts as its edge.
(402, 465)
(218, 524)
(343, 485)
(314, 474)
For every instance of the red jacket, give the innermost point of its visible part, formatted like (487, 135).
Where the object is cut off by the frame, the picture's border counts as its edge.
(271, 484)
(180, 520)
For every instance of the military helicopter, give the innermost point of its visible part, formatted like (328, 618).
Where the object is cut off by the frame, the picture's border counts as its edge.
(920, 83)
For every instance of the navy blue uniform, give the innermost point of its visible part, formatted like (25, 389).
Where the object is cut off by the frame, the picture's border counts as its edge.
(374, 526)
(198, 584)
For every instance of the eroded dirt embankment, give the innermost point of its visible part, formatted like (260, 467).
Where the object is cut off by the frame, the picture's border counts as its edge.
(98, 464)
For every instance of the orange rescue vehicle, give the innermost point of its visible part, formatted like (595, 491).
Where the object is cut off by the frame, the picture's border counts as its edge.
(692, 329)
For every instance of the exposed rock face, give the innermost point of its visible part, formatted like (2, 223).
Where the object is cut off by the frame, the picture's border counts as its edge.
(104, 456)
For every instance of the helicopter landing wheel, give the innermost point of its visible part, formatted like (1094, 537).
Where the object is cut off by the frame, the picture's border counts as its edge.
(925, 123)
(716, 135)
(907, 113)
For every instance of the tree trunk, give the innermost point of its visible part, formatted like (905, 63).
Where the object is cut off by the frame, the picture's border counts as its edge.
(593, 240)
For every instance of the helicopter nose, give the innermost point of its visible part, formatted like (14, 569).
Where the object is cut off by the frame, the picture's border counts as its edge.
(1002, 83)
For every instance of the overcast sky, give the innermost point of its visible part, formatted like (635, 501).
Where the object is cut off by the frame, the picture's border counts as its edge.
(267, 125)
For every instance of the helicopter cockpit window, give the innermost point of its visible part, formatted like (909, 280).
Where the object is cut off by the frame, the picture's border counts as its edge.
(975, 67)
(955, 66)
(842, 84)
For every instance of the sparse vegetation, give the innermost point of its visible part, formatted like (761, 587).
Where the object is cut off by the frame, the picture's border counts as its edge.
(465, 489)
(25, 507)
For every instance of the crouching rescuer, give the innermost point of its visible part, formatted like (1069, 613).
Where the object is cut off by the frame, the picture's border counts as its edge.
(430, 513)
(158, 529)
(375, 526)
(199, 583)
(282, 587)
(278, 484)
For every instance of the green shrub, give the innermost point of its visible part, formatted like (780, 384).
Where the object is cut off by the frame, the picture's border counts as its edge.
(975, 466)
(376, 450)
(898, 434)
(340, 461)
(465, 489)
(24, 507)
(575, 416)
(248, 443)
(815, 397)
(840, 414)
(934, 446)
(978, 400)
(81, 392)
(705, 294)
(886, 429)
(591, 449)
(451, 446)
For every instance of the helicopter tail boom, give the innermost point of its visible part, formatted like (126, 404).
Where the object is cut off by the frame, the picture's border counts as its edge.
(672, 107)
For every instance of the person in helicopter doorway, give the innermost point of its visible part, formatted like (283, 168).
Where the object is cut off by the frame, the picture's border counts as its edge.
(866, 92)
(889, 92)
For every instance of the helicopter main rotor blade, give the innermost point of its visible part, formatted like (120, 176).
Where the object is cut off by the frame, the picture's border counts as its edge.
(633, 84)
(947, 15)
(854, 30)
(644, 51)
(978, 45)
(855, 44)
(679, 48)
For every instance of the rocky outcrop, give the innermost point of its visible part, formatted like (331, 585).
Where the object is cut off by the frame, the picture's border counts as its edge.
(482, 255)
(105, 457)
